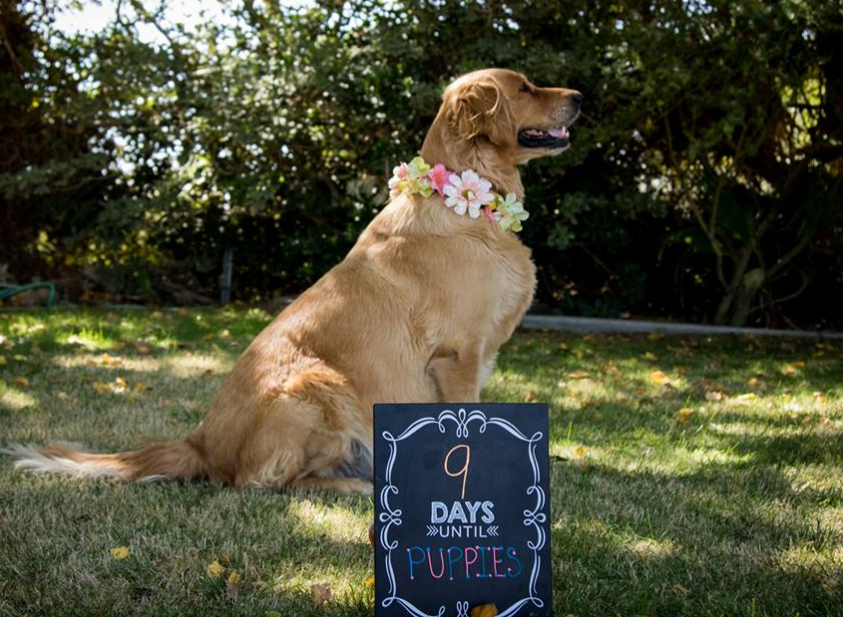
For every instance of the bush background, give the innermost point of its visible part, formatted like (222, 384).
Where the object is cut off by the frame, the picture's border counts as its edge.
(704, 182)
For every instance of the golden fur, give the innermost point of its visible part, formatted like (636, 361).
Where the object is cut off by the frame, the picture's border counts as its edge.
(416, 312)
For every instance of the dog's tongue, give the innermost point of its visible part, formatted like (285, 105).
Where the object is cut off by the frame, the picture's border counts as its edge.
(560, 133)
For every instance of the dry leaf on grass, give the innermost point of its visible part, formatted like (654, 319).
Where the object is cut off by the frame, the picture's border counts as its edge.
(109, 360)
(714, 395)
(684, 415)
(659, 378)
(119, 552)
(579, 375)
(611, 369)
(531, 397)
(21, 381)
(369, 582)
(215, 569)
(680, 588)
(579, 452)
(321, 593)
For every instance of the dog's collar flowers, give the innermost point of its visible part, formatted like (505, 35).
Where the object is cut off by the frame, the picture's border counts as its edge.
(465, 193)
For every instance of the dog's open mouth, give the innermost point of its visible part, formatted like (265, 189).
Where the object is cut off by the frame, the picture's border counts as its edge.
(557, 137)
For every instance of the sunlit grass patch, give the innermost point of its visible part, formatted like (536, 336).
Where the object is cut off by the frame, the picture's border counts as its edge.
(14, 398)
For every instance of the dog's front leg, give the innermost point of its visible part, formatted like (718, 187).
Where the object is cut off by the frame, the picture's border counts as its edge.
(457, 374)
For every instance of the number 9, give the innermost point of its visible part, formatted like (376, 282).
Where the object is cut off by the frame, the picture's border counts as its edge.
(464, 470)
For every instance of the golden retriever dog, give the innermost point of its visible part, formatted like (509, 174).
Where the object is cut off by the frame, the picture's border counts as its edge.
(416, 312)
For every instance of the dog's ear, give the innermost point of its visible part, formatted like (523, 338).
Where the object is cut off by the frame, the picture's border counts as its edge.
(480, 109)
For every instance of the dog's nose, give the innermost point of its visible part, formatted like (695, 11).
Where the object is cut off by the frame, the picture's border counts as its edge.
(577, 97)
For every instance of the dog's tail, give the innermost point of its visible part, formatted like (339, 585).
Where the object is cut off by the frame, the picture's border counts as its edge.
(169, 460)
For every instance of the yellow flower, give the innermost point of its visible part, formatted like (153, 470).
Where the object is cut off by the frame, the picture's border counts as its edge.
(119, 553)
(233, 578)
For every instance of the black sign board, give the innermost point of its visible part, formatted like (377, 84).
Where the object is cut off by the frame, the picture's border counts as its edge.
(461, 509)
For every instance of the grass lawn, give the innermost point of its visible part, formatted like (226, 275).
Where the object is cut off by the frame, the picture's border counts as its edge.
(689, 476)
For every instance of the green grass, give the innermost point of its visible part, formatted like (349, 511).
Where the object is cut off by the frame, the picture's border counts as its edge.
(690, 476)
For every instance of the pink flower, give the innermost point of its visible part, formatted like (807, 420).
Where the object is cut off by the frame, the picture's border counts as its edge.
(468, 191)
(401, 171)
(439, 178)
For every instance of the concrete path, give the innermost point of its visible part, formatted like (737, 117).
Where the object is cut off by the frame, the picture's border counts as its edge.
(626, 326)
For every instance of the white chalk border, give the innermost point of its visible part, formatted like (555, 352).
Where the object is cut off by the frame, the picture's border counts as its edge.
(535, 517)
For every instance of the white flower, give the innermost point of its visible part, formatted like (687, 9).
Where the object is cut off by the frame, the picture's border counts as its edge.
(468, 191)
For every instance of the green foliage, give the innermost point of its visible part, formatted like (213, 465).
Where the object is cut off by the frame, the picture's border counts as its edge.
(710, 145)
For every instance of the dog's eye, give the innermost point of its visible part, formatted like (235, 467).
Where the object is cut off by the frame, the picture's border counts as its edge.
(523, 88)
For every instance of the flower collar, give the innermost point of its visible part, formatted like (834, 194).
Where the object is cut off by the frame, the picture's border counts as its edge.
(465, 192)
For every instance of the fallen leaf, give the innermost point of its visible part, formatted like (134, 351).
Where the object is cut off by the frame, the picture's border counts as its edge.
(484, 610)
(369, 582)
(62, 396)
(101, 387)
(321, 593)
(684, 415)
(752, 382)
(579, 452)
(143, 349)
(231, 589)
(109, 360)
(799, 363)
(714, 395)
(680, 588)
(819, 397)
(531, 397)
(208, 372)
(141, 388)
(21, 381)
(611, 369)
(749, 396)
(215, 569)
(650, 356)
(119, 553)
(120, 382)
(659, 378)
(578, 375)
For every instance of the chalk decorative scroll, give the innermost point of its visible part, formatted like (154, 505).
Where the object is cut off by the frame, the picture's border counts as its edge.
(532, 518)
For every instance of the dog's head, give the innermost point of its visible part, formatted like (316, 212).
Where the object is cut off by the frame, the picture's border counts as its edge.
(504, 110)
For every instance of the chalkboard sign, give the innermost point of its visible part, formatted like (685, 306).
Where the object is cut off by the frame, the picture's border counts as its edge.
(461, 510)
